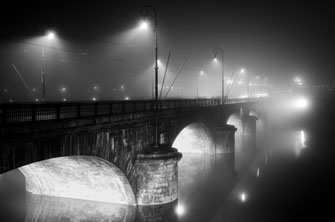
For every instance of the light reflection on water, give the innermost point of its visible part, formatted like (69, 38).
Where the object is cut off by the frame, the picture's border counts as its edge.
(48, 208)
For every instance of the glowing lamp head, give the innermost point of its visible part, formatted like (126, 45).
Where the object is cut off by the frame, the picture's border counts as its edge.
(51, 35)
(180, 210)
(242, 70)
(302, 103)
(243, 197)
(144, 25)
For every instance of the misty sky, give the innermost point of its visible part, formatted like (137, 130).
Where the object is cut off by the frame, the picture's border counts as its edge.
(99, 45)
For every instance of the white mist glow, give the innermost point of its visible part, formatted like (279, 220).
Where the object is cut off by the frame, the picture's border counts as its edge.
(302, 103)
(144, 25)
(243, 197)
(302, 139)
(258, 171)
(301, 143)
(180, 210)
(51, 35)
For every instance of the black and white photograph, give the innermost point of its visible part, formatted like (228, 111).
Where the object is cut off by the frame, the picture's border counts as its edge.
(172, 111)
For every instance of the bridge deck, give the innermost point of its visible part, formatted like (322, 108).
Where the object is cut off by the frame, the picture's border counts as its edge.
(11, 113)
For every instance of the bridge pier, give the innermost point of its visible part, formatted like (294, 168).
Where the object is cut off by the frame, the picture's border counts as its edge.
(225, 139)
(157, 176)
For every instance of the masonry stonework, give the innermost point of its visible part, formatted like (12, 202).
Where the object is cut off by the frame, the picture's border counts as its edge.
(157, 177)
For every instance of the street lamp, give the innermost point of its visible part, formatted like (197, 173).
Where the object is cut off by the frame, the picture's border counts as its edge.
(201, 74)
(50, 35)
(242, 72)
(216, 51)
(145, 13)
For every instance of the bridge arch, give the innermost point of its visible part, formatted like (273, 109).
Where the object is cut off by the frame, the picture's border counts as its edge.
(196, 143)
(195, 138)
(79, 177)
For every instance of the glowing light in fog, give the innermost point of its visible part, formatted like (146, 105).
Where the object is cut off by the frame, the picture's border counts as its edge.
(298, 81)
(51, 35)
(261, 95)
(180, 210)
(144, 25)
(258, 171)
(302, 103)
(301, 143)
(243, 197)
(302, 139)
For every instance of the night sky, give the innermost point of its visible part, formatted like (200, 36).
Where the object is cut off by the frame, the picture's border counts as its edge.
(98, 44)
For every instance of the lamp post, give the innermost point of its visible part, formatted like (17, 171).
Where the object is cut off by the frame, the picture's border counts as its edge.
(50, 35)
(216, 51)
(242, 72)
(145, 13)
(43, 74)
(200, 75)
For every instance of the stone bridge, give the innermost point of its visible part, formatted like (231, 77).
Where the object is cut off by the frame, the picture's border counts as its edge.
(122, 132)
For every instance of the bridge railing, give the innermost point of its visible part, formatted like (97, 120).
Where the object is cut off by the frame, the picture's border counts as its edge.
(32, 112)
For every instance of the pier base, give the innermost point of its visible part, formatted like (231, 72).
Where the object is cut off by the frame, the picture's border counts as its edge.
(157, 176)
(225, 139)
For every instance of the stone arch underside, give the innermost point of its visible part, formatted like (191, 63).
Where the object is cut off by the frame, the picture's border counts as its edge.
(79, 177)
(235, 120)
(195, 138)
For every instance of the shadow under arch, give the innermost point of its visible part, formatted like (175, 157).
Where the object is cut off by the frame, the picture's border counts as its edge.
(78, 177)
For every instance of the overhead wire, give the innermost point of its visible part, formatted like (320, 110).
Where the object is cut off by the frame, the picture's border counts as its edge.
(166, 67)
(24, 82)
(167, 93)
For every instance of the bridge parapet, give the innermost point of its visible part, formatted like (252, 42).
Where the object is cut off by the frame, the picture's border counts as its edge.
(11, 113)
